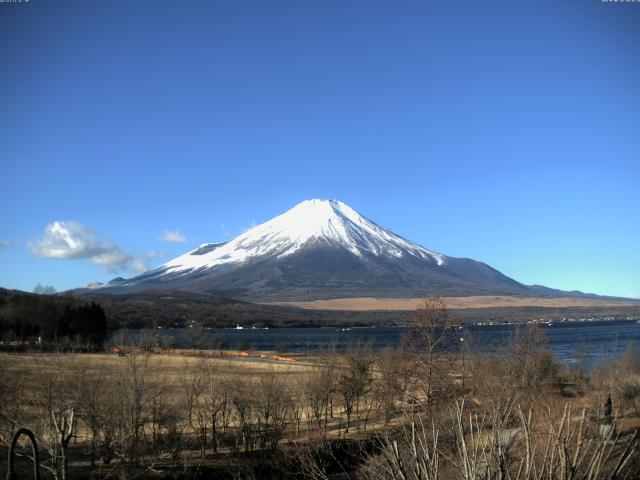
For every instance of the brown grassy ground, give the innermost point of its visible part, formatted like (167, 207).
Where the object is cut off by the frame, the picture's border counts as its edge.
(168, 375)
(167, 369)
(377, 304)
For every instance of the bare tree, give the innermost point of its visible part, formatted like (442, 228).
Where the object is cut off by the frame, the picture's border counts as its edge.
(243, 409)
(64, 423)
(12, 408)
(44, 289)
(192, 389)
(216, 401)
(147, 339)
(195, 334)
(430, 334)
(271, 408)
(297, 401)
(58, 402)
(320, 387)
(354, 381)
(92, 410)
(532, 361)
(136, 396)
(389, 382)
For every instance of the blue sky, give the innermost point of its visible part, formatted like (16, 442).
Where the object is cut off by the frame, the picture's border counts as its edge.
(507, 132)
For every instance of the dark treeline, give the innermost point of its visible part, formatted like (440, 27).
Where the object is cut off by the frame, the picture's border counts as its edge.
(173, 309)
(50, 320)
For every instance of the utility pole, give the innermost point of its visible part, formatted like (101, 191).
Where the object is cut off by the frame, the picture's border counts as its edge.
(462, 348)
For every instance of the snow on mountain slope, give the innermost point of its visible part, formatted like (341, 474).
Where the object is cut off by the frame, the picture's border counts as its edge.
(324, 221)
(319, 249)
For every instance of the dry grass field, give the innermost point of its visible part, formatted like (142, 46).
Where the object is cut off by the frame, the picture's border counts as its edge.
(169, 370)
(390, 304)
(193, 414)
(170, 374)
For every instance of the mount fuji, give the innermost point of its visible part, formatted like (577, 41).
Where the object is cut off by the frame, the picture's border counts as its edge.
(322, 249)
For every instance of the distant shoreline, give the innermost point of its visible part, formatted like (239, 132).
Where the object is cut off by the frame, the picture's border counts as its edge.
(363, 304)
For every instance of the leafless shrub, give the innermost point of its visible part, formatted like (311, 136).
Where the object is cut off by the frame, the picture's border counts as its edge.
(564, 448)
(312, 459)
(410, 454)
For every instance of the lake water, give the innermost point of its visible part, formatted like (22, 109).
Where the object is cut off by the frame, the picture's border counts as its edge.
(585, 342)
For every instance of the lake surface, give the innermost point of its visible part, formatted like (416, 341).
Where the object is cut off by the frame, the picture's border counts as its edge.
(588, 343)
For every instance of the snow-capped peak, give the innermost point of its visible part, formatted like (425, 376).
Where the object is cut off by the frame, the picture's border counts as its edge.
(323, 221)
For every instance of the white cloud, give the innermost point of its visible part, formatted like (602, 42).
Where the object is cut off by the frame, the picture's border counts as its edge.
(5, 243)
(72, 240)
(173, 236)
